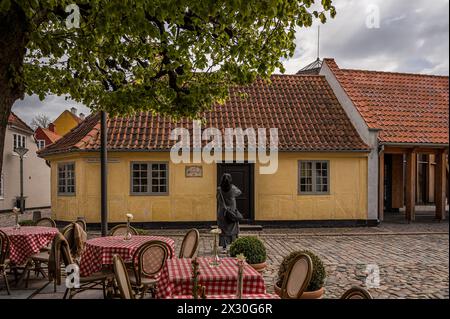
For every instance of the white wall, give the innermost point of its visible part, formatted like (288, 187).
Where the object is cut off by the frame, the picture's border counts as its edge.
(369, 136)
(36, 177)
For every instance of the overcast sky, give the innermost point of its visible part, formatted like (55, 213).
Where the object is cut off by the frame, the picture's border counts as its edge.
(387, 35)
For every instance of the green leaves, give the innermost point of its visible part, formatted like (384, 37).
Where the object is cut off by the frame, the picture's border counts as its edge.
(5, 5)
(173, 57)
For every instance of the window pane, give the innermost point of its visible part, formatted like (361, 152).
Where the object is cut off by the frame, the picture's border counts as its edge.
(313, 177)
(321, 177)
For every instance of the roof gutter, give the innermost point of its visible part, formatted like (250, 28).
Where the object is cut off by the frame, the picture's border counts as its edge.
(168, 150)
(432, 145)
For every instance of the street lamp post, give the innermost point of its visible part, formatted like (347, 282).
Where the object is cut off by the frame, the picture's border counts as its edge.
(21, 151)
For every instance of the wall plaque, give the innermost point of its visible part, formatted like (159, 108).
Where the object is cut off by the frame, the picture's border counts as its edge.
(194, 171)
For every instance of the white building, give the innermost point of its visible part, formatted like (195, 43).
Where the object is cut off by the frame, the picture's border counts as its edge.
(36, 173)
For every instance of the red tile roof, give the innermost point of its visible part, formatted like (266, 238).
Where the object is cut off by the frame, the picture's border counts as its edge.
(408, 108)
(14, 120)
(49, 136)
(303, 108)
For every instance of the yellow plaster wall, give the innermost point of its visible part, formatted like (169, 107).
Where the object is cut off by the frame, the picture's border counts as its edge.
(64, 123)
(193, 199)
(278, 198)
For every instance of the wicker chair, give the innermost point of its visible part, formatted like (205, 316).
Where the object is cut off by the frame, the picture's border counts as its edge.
(34, 263)
(297, 277)
(68, 233)
(356, 293)
(82, 223)
(46, 222)
(122, 279)
(121, 230)
(90, 282)
(4, 262)
(148, 261)
(189, 245)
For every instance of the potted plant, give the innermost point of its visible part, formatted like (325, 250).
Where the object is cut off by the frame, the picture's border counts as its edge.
(253, 249)
(315, 288)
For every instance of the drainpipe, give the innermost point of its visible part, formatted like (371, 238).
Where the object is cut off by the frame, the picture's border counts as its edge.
(104, 174)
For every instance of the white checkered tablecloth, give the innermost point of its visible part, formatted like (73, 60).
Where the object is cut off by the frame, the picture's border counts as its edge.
(27, 241)
(252, 296)
(176, 276)
(100, 251)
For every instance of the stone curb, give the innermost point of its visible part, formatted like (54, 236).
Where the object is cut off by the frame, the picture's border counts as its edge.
(353, 234)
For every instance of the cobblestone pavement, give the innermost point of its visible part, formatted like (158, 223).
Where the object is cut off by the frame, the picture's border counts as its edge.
(412, 259)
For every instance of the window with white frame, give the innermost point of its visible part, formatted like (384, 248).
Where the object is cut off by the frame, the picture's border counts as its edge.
(149, 178)
(2, 186)
(41, 144)
(18, 140)
(66, 179)
(314, 177)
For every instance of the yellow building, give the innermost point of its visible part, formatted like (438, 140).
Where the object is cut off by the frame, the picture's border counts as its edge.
(66, 121)
(319, 176)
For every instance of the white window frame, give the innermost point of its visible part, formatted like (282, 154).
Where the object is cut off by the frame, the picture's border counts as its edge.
(40, 144)
(66, 178)
(149, 176)
(19, 140)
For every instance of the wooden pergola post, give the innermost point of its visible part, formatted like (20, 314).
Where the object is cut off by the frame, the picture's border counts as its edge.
(440, 184)
(410, 196)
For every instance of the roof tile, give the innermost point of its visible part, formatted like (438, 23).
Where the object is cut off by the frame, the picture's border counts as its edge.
(303, 108)
(408, 108)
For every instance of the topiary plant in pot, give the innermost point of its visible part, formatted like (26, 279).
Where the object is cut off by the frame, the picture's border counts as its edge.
(315, 288)
(253, 249)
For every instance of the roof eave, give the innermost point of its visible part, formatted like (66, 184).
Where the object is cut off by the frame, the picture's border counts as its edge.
(401, 144)
(59, 152)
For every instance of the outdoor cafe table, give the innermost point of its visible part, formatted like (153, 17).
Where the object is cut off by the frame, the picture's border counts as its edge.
(176, 278)
(27, 241)
(100, 251)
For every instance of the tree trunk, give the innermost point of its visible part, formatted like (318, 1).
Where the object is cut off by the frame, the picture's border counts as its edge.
(13, 41)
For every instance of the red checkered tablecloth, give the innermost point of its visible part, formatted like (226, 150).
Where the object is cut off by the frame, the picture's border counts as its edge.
(175, 278)
(251, 296)
(100, 251)
(27, 241)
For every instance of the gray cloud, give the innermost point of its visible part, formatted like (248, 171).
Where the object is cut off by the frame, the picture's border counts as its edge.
(413, 37)
(52, 106)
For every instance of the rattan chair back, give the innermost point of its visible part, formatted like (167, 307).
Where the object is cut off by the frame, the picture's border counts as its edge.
(189, 246)
(297, 277)
(46, 222)
(122, 279)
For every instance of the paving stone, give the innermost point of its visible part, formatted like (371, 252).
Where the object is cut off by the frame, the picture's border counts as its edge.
(412, 259)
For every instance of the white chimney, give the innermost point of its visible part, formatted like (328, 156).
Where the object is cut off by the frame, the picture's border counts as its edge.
(81, 116)
(73, 110)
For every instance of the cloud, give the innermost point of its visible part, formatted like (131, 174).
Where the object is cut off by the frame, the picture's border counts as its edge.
(52, 106)
(413, 37)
